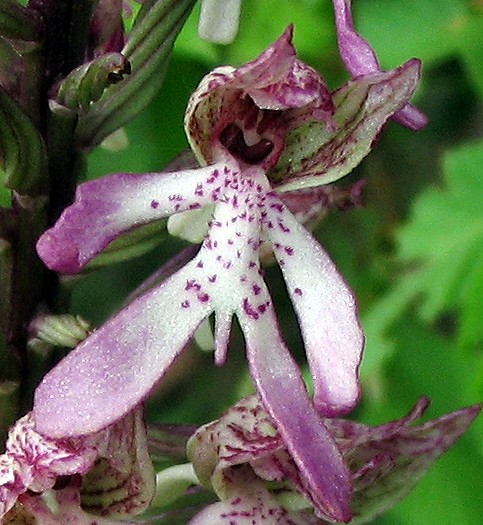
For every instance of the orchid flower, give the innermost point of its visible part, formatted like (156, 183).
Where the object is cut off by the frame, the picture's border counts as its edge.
(268, 127)
(243, 459)
(360, 59)
(109, 472)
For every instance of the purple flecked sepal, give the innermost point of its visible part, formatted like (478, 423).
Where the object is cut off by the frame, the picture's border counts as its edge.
(360, 59)
(239, 455)
(117, 456)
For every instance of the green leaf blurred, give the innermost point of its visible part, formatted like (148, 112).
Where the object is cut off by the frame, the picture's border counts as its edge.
(444, 239)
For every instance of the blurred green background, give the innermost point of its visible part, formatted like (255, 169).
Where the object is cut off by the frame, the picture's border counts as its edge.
(413, 254)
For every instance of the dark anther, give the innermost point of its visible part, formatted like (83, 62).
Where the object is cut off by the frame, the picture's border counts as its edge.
(61, 482)
(234, 141)
(117, 72)
(259, 151)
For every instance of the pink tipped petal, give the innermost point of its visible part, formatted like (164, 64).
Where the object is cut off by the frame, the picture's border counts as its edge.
(360, 59)
(356, 53)
(283, 393)
(116, 367)
(388, 460)
(326, 310)
(410, 117)
(315, 155)
(107, 207)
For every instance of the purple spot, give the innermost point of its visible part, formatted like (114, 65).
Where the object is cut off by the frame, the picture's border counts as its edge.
(288, 250)
(249, 310)
(212, 279)
(185, 304)
(277, 206)
(256, 289)
(194, 206)
(227, 265)
(175, 197)
(243, 279)
(191, 284)
(199, 190)
(154, 204)
(284, 228)
(298, 291)
(262, 308)
(231, 242)
(203, 297)
(252, 264)
(199, 264)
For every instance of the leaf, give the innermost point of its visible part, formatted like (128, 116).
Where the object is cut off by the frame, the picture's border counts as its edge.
(471, 50)
(444, 241)
(22, 151)
(16, 22)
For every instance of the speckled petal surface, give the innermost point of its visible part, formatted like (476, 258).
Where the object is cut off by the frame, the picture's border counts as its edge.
(250, 503)
(107, 207)
(360, 59)
(315, 155)
(326, 310)
(116, 367)
(282, 390)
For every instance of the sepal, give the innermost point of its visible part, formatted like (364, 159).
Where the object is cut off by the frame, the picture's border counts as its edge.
(87, 83)
(148, 50)
(316, 155)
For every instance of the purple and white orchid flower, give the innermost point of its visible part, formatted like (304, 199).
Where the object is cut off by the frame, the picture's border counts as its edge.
(266, 128)
(360, 59)
(110, 472)
(243, 459)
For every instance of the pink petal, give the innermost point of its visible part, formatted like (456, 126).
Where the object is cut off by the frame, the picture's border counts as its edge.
(360, 59)
(115, 368)
(11, 483)
(283, 393)
(41, 460)
(276, 80)
(326, 310)
(107, 207)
